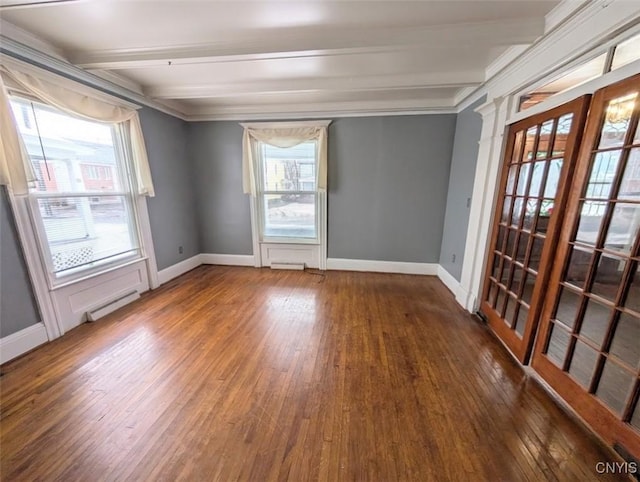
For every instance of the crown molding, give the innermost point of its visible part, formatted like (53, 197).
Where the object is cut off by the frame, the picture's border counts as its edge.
(562, 12)
(23, 37)
(43, 60)
(311, 114)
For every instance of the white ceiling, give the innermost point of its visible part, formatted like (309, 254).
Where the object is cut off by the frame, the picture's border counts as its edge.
(242, 59)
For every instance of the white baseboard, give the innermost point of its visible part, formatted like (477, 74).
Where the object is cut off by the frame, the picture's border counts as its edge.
(399, 267)
(466, 299)
(22, 341)
(449, 281)
(178, 269)
(227, 259)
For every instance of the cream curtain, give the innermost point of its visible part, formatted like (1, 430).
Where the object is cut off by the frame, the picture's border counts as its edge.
(76, 104)
(15, 169)
(281, 137)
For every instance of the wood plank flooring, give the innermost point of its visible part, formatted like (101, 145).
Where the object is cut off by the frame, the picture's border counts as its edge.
(243, 374)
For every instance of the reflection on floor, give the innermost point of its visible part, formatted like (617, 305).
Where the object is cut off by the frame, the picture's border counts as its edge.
(249, 374)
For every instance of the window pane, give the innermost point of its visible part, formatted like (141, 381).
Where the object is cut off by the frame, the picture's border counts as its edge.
(630, 187)
(536, 179)
(626, 52)
(510, 313)
(523, 243)
(562, 132)
(578, 266)
(530, 214)
(614, 386)
(536, 253)
(568, 307)
(603, 170)
(582, 363)
(523, 179)
(69, 154)
(553, 178)
(608, 276)
(289, 169)
(624, 227)
(529, 284)
(516, 215)
(616, 121)
(543, 142)
(517, 146)
(633, 296)
(590, 220)
(506, 209)
(558, 344)
(290, 215)
(595, 321)
(625, 343)
(521, 324)
(82, 231)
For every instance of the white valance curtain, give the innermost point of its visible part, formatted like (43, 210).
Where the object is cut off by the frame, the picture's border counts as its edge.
(15, 169)
(284, 136)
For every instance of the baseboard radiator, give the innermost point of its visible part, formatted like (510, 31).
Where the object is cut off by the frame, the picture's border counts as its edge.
(103, 310)
(294, 266)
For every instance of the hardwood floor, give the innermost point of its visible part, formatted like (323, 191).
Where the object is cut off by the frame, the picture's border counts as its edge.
(245, 374)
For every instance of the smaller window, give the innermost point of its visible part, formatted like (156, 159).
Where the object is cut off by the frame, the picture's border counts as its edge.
(579, 75)
(288, 199)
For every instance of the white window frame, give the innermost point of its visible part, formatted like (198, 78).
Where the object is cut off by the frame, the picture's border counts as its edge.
(123, 159)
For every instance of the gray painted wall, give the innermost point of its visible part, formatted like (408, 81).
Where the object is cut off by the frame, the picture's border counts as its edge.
(463, 171)
(388, 186)
(388, 179)
(172, 211)
(18, 308)
(223, 209)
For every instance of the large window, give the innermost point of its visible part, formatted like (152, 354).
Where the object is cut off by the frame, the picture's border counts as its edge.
(82, 202)
(288, 196)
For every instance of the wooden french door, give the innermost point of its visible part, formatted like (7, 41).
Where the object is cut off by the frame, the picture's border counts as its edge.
(539, 160)
(588, 348)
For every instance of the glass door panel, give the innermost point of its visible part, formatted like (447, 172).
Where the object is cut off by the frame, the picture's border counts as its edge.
(539, 159)
(588, 348)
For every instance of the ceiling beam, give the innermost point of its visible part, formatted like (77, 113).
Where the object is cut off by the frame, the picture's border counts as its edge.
(318, 43)
(341, 84)
(16, 4)
(319, 110)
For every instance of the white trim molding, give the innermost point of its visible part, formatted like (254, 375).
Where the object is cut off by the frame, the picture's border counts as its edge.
(399, 267)
(22, 341)
(449, 281)
(228, 259)
(178, 269)
(494, 115)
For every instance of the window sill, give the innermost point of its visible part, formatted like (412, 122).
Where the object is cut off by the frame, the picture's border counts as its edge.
(94, 274)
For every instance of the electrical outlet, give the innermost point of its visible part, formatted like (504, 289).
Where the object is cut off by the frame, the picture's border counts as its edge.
(180, 250)
(453, 258)
(468, 202)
